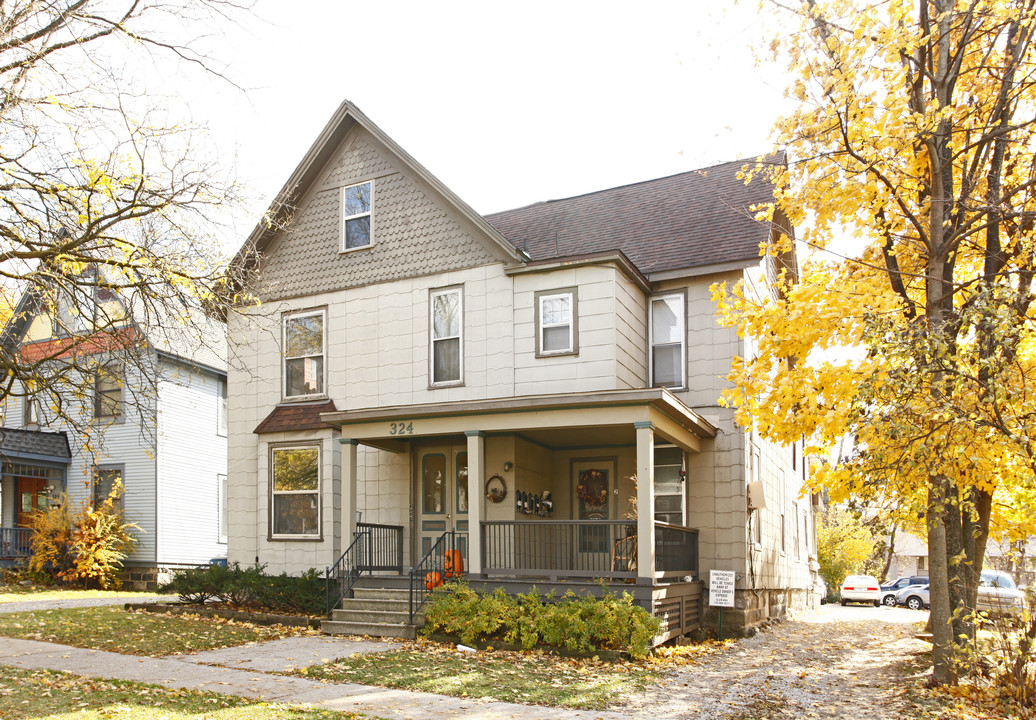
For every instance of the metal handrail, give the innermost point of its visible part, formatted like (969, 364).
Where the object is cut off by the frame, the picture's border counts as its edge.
(434, 561)
(344, 572)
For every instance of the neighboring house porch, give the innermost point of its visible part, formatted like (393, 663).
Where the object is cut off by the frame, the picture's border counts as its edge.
(34, 472)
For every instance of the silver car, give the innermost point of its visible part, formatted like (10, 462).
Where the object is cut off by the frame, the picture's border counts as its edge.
(915, 597)
(998, 595)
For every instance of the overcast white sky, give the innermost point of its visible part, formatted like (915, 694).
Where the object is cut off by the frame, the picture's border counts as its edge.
(507, 104)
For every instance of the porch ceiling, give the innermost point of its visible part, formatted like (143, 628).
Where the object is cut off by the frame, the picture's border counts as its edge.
(555, 421)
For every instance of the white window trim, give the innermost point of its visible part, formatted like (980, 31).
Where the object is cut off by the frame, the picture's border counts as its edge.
(432, 382)
(284, 355)
(573, 323)
(319, 535)
(344, 218)
(222, 516)
(221, 407)
(682, 298)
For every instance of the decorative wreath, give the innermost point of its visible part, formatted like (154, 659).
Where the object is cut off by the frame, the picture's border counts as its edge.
(593, 487)
(496, 489)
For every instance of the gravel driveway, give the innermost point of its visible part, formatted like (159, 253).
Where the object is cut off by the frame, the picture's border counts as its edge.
(837, 661)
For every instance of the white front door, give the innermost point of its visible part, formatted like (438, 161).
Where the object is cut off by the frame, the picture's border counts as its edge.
(441, 496)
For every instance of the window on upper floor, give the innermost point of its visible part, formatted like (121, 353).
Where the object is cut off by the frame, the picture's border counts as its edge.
(304, 347)
(668, 340)
(295, 490)
(106, 481)
(108, 399)
(30, 411)
(356, 215)
(221, 507)
(447, 330)
(557, 323)
(221, 407)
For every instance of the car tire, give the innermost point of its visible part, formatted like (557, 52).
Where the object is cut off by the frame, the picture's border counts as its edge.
(844, 602)
(889, 601)
(877, 603)
(914, 603)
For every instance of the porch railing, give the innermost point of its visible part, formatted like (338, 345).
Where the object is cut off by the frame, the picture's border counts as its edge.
(375, 548)
(583, 548)
(15, 543)
(432, 570)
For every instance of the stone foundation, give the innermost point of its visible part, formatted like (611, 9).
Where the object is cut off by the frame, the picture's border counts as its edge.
(144, 579)
(756, 608)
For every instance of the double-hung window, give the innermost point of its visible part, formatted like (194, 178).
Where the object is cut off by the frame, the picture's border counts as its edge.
(304, 343)
(668, 339)
(295, 489)
(447, 326)
(107, 484)
(557, 330)
(356, 215)
(108, 392)
(221, 407)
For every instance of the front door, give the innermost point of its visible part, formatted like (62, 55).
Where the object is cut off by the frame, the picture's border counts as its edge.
(442, 496)
(32, 496)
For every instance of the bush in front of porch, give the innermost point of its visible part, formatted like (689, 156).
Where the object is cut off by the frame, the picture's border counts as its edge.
(584, 625)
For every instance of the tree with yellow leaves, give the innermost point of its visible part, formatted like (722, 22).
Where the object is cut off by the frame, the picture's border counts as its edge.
(913, 142)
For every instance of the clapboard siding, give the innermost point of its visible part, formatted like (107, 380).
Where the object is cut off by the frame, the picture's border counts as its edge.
(191, 456)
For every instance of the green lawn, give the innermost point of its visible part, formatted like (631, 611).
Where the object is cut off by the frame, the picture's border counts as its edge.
(535, 678)
(46, 694)
(136, 633)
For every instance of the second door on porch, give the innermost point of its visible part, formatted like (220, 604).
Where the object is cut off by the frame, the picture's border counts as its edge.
(32, 498)
(442, 496)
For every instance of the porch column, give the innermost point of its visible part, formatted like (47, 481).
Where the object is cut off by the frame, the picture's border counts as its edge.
(645, 501)
(348, 491)
(476, 482)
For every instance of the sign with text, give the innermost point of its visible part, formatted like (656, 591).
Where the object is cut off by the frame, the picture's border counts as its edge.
(721, 588)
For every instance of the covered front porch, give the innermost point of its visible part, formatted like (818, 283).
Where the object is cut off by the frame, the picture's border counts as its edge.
(33, 473)
(544, 491)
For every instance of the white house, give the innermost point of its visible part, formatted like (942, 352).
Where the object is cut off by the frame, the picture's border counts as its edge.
(144, 403)
(508, 385)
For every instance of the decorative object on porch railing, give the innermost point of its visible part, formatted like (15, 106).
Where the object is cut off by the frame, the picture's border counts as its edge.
(583, 549)
(15, 543)
(375, 548)
(433, 563)
(496, 489)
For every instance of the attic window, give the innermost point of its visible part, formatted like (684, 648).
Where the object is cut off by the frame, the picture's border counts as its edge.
(356, 216)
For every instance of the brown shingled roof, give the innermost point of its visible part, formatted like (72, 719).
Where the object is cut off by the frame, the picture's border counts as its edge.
(304, 416)
(696, 218)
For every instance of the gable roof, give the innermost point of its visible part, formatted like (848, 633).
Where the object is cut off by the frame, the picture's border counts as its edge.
(346, 117)
(693, 219)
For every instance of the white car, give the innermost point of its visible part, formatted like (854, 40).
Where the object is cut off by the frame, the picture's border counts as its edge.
(861, 588)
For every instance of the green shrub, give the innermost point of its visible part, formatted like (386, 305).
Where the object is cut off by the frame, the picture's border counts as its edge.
(250, 587)
(583, 624)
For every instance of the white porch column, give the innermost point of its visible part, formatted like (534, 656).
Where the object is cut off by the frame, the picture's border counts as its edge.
(476, 482)
(348, 521)
(645, 502)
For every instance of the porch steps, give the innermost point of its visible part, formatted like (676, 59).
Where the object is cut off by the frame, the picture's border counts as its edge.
(377, 611)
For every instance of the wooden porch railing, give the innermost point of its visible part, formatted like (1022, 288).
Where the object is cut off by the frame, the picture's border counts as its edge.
(583, 549)
(15, 543)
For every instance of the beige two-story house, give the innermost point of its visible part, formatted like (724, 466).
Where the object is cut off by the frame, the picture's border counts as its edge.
(536, 390)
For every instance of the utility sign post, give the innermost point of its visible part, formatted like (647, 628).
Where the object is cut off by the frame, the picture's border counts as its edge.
(721, 592)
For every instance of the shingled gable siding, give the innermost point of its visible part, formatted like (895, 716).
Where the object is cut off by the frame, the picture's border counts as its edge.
(414, 232)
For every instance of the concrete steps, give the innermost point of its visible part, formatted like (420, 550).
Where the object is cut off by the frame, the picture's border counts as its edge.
(375, 610)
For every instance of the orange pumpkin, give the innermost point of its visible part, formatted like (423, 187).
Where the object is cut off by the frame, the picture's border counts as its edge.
(453, 563)
(432, 580)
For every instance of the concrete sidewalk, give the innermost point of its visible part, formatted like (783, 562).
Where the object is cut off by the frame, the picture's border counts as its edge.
(245, 671)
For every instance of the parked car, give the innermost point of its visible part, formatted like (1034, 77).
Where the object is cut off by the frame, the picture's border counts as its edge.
(915, 597)
(861, 588)
(889, 590)
(820, 588)
(998, 595)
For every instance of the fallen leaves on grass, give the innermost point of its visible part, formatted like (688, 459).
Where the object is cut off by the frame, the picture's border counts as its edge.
(523, 677)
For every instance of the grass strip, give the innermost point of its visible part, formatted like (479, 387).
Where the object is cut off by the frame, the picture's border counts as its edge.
(137, 633)
(48, 694)
(532, 678)
(18, 593)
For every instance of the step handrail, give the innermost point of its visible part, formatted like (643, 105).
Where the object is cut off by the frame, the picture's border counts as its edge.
(434, 561)
(344, 572)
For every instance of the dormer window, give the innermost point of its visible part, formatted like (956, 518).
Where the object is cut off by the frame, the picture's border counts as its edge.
(356, 216)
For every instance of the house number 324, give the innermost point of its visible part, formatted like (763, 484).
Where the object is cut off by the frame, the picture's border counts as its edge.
(401, 428)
